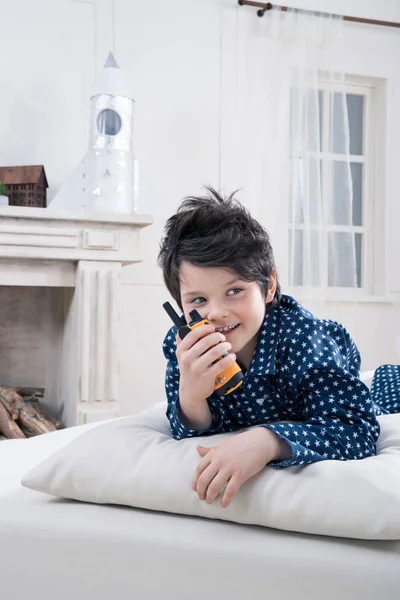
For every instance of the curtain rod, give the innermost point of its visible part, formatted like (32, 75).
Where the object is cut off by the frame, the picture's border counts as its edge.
(268, 6)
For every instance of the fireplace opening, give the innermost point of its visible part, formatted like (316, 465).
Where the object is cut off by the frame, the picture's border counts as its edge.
(31, 332)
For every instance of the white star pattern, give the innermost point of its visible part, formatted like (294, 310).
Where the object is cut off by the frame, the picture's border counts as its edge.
(302, 384)
(385, 388)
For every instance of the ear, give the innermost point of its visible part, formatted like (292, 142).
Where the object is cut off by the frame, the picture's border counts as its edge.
(271, 287)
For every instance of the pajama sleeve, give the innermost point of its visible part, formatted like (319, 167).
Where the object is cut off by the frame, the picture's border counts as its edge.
(178, 429)
(335, 417)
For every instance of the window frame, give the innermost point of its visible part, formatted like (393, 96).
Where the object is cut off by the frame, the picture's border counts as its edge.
(373, 160)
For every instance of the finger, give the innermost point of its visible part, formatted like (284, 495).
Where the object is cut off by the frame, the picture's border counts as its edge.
(216, 485)
(203, 464)
(189, 353)
(222, 365)
(205, 352)
(202, 450)
(231, 490)
(205, 479)
(213, 354)
(196, 335)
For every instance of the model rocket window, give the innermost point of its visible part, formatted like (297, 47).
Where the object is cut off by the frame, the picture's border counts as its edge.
(108, 122)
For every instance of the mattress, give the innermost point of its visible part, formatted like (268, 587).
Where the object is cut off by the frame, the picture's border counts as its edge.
(51, 547)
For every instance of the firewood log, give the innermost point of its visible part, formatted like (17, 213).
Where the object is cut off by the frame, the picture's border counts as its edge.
(9, 399)
(29, 392)
(8, 427)
(30, 419)
(26, 432)
(28, 414)
(46, 417)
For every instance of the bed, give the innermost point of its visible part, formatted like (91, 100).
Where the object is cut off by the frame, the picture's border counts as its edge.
(51, 547)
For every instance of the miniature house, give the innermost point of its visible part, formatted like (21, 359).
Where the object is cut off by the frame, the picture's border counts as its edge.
(26, 186)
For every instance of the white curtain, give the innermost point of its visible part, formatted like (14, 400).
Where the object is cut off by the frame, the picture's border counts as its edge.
(295, 143)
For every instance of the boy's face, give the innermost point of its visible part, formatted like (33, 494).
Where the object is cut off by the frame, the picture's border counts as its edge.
(226, 301)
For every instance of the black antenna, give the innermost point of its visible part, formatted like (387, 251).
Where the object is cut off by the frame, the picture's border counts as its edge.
(174, 315)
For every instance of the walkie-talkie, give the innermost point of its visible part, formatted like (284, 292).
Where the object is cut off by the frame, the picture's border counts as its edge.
(225, 382)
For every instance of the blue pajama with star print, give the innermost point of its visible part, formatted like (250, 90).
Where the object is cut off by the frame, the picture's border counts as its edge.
(303, 384)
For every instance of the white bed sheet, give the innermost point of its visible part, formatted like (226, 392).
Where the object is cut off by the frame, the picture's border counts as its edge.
(57, 548)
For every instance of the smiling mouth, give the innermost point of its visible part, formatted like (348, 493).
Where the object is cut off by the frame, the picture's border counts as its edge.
(226, 329)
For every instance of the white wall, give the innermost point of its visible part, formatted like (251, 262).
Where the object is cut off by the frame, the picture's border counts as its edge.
(181, 58)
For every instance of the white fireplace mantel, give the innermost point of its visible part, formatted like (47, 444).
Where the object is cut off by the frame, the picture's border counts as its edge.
(83, 254)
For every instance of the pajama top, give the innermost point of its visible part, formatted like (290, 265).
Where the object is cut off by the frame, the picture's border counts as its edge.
(303, 384)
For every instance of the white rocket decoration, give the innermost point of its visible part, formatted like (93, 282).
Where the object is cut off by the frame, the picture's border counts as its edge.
(106, 179)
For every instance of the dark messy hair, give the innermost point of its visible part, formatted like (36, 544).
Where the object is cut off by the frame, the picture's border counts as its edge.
(216, 231)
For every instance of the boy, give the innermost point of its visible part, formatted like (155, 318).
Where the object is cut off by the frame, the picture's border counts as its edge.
(301, 383)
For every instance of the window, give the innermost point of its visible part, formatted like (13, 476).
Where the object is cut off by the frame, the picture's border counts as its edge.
(109, 122)
(322, 215)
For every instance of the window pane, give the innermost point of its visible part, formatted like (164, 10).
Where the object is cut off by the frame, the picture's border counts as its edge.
(295, 257)
(357, 178)
(347, 117)
(338, 123)
(359, 257)
(342, 208)
(305, 202)
(345, 259)
(355, 108)
(305, 120)
(321, 121)
(307, 265)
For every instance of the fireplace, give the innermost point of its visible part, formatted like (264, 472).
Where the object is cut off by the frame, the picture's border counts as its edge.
(60, 275)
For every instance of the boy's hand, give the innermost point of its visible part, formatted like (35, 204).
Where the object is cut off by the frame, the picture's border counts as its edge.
(234, 461)
(196, 354)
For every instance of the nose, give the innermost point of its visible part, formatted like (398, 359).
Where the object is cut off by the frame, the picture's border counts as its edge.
(217, 312)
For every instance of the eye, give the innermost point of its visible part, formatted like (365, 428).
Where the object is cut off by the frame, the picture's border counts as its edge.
(198, 300)
(234, 291)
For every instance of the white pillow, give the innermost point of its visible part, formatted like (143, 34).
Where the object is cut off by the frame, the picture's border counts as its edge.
(134, 461)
